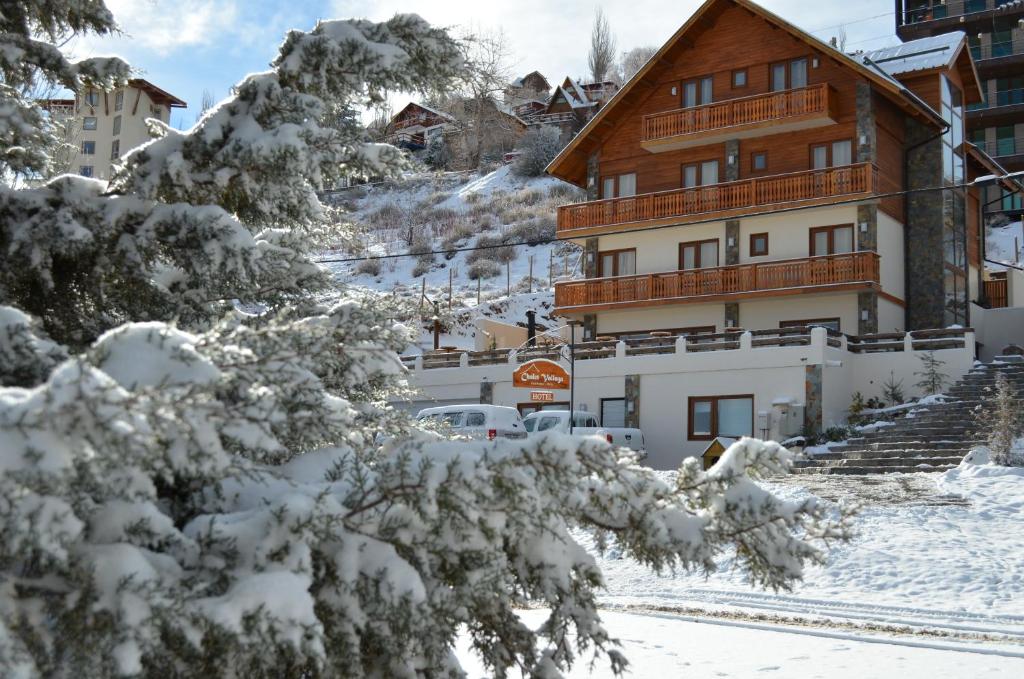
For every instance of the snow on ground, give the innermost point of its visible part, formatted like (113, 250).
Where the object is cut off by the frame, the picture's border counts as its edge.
(999, 244)
(667, 646)
(448, 211)
(951, 562)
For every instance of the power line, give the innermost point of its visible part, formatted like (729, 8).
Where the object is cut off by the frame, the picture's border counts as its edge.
(892, 194)
(850, 23)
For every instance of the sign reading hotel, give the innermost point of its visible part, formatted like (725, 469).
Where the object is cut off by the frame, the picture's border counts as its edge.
(541, 373)
(542, 396)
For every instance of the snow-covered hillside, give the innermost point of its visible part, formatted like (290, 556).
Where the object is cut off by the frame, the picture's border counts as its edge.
(1000, 242)
(439, 218)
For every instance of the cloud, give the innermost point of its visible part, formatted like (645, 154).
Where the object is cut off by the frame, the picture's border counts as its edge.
(165, 26)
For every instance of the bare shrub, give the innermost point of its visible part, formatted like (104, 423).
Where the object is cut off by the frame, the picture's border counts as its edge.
(369, 267)
(483, 268)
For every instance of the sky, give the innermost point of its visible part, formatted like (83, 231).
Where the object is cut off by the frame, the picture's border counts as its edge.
(188, 46)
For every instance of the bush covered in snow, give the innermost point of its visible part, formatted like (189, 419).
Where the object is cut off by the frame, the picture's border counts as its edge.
(537, 148)
(1000, 420)
(228, 494)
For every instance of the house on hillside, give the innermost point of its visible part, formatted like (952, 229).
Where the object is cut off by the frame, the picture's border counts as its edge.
(416, 124)
(532, 87)
(103, 126)
(572, 105)
(765, 233)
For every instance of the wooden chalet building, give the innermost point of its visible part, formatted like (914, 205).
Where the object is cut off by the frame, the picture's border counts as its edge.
(761, 188)
(414, 126)
(573, 104)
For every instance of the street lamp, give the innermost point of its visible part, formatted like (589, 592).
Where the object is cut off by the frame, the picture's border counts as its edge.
(573, 324)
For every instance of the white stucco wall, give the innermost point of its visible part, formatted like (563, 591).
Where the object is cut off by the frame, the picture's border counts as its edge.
(891, 316)
(668, 316)
(762, 314)
(997, 328)
(891, 256)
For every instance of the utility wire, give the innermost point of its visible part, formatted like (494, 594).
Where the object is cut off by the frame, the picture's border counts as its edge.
(659, 227)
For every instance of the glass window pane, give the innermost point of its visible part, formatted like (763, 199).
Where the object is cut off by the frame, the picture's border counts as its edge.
(689, 257)
(607, 265)
(627, 263)
(842, 240)
(709, 254)
(820, 243)
(89, 123)
(689, 176)
(819, 157)
(475, 419)
(706, 85)
(613, 412)
(547, 423)
(701, 424)
(735, 417)
(608, 191)
(842, 153)
(798, 74)
(627, 185)
(778, 77)
(709, 172)
(689, 94)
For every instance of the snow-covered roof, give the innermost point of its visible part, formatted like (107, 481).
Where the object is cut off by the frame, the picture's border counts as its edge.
(425, 108)
(937, 51)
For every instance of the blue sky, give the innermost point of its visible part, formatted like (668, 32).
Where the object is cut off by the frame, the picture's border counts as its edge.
(187, 46)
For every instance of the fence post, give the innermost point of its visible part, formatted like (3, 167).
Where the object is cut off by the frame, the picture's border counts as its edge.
(508, 278)
(417, 363)
(681, 344)
(478, 291)
(620, 349)
(908, 343)
(449, 288)
(531, 274)
(464, 360)
(746, 341)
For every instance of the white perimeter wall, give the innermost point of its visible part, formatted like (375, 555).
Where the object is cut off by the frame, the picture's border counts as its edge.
(997, 328)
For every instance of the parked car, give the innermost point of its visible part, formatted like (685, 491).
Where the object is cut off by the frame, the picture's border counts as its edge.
(584, 424)
(479, 421)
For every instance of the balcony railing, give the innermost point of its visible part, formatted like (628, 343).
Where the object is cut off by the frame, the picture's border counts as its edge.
(696, 284)
(753, 110)
(809, 185)
(996, 50)
(942, 9)
(1008, 146)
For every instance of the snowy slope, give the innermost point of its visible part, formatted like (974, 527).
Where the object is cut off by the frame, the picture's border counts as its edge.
(999, 244)
(445, 212)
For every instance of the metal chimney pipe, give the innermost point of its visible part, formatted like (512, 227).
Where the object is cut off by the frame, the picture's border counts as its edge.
(531, 328)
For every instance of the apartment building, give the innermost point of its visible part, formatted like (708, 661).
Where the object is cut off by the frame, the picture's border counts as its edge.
(731, 187)
(108, 124)
(995, 34)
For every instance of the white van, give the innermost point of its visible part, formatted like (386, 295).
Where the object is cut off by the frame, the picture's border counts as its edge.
(584, 424)
(479, 421)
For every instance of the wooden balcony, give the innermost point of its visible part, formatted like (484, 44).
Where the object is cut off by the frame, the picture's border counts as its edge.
(718, 201)
(830, 273)
(774, 113)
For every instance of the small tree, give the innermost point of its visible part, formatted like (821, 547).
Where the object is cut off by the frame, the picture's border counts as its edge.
(537, 148)
(602, 48)
(634, 60)
(437, 155)
(1000, 420)
(932, 378)
(892, 390)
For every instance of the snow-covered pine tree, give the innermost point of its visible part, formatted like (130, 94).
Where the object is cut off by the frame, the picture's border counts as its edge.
(228, 497)
(932, 378)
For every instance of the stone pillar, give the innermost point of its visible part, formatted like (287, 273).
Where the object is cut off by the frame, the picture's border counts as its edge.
(867, 131)
(923, 243)
(867, 312)
(487, 392)
(593, 176)
(590, 258)
(732, 315)
(812, 399)
(732, 235)
(732, 150)
(633, 401)
(589, 327)
(867, 240)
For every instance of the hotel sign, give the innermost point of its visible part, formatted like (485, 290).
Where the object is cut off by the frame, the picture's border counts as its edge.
(541, 373)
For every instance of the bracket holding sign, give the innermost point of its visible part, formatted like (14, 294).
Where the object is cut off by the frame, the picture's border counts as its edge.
(541, 373)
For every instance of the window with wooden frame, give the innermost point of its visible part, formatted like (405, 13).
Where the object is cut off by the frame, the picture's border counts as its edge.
(832, 154)
(713, 416)
(758, 244)
(616, 262)
(704, 173)
(698, 254)
(739, 78)
(788, 75)
(618, 186)
(830, 323)
(698, 92)
(759, 161)
(831, 240)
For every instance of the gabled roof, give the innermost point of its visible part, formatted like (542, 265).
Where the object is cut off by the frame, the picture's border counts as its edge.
(441, 114)
(518, 82)
(570, 164)
(158, 95)
(938, 52)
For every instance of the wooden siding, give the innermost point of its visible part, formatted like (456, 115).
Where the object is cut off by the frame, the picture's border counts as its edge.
(811, 274)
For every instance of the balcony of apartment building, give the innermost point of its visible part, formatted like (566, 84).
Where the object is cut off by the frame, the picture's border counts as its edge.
(921, 18)
(1007, 147)
(843, 272)
(997, 57)
(719, 201)
(1004, 107)
(782, 111)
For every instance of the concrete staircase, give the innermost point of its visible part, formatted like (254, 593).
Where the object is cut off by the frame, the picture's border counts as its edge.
(931, 438)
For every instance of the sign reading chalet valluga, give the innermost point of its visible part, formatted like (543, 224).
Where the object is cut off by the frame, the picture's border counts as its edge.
(541, 373)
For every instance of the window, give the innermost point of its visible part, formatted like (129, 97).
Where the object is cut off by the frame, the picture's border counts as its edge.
(85, 170)
(92, 98)
(119, 100)
(613, 412)
(622, 186)
(712, 416)
(579, 420)
(157, 111)
(831, 240)
(698, 92)
(117, 125)
(836, 154)
(789, 75)
(700, 174)
(739, 78)
(89, 123)
(758, 244)
(759, 161)
(699, 254)
(616, 263)
(475, 419)
(115, 149)
(88, 148)
(830, 323)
